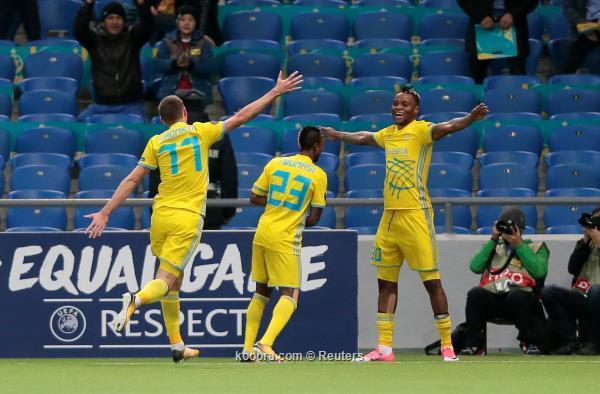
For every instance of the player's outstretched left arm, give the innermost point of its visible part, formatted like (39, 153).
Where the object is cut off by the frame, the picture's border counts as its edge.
(440, 130)
(356, 138)
(126, 187)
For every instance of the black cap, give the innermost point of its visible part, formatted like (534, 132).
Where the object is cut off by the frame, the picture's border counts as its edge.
(515, 214)
(113, 7)
(187, 9)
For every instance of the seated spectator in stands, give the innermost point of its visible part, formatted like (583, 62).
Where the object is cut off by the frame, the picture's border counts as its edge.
(584, 16)
(114, 50)
(566, 307)
(512, 269)
(25, 10)
(506, 13)
(185, 58)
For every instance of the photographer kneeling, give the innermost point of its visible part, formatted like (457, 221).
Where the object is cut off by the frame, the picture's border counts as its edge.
(582, 302)
(512, 270)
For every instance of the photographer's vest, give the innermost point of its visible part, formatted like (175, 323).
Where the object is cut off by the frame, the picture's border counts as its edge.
(590, 272)
(502, 275)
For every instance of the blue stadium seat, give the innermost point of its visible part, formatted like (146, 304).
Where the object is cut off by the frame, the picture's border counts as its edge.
(528, 159)
(376, 118)
(47, 101)
(333, 181)
(572, 175)
(51, 159)
(362, 148)
(380, 44)
(328, 162)
(382, 64)
(575, 137)
(102, 177)
(459, 43)
(455, 230)
(307, 46)
(365, 230)
(500, 66)
(366, 176)
(314, 118)
(49, 44)
(467, 141)
(508, 175)
(365, 193)
(102, 159)
(512, 117)
(444, 63)
(313, 101)
(114, 140)
(382, 24)
(445, 79)
(254, 158)
(146, 218)
(53, 64)
(460, 159)
(237, 92)
(32, 229)
(510, 81)
(558, 26)
(2, 163)
(438, 117)
(380, 82)
(122, 217)
(445, 25)
(47, 118)
(512, 100)
(383, 3)
(258, 3)
(575, 117)
(321, 83)
(319, 25)
(245, 217)
(57, 18)
(7, 67)
(461, 214)
(6, 105)
(289, 142)
(252, 25)
(535, 23)
(317, 65)
(321, 3)
(439, 3)
(559, 51)
(564, 229)
(488, 214)
(40, 177)
(449, 176)
(574, 79)
(247, 175)
(512, 137)
(254, 139)
(370, 102)
(5, 144)
(250, 65)
(252, 44)
(573, 100)
(367, 216)
(328, 218)
(359, 158)
(46, 139)
(446, 100)
(115, 119)
(559, 215)
(590, 157)
(64, 84)
(7, 44)
(55, 217)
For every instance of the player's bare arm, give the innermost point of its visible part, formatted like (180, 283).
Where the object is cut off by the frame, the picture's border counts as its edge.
(283, 86)
(313, 218)
(257, 199)
(126, 187)
(356, 138)
(440, 130)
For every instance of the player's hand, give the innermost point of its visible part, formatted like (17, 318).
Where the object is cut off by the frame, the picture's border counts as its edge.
(487, 23)
(99, 222)
(506, 21)
(140, 2)
(479, 112)
(328, 132)
(286, 85)
(515, 238)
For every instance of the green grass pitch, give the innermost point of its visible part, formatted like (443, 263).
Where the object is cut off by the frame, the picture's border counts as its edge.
(496, 373)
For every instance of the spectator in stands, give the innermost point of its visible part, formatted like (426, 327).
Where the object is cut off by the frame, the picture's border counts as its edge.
(207, 18)
(114, 50)
(567, 306)
(506, 13)
(512, 269)
(584, 16)
(185, 58)
(26, 11)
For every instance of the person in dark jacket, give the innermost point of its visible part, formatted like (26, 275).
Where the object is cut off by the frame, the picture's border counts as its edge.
(506, 13)
(114, 50)
(582, 13)
(185, 58)
(567, 306)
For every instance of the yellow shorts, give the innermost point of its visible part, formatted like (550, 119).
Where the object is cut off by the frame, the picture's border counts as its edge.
(174, 236)
(406, 235)
(275, 269)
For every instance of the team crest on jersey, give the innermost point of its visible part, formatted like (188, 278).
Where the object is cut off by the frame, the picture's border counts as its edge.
(67, 323)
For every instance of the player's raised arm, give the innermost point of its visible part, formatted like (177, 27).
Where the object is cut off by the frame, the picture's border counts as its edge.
(356, 138)
(283, 86)
(440, 130)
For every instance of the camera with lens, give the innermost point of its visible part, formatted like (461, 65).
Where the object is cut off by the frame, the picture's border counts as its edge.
(506, 226)
(588, 221)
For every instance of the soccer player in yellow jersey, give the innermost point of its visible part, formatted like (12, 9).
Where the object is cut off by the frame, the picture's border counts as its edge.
(181, 154)
(406, 231)
(289, 188)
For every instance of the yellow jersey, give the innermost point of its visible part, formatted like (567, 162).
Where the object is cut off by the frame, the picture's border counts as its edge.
(407, 157)
(181, 154)
(291, 185)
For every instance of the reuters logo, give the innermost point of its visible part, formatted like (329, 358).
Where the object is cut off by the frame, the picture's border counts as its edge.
(67, 323)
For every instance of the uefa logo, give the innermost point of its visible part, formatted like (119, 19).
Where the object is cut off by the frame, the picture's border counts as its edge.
(67, 323)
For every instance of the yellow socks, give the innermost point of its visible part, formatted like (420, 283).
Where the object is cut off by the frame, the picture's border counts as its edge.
(253, 318)
(385, 327)
(152, 292)
(444, 327)
(281, 315)
(170, 311)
